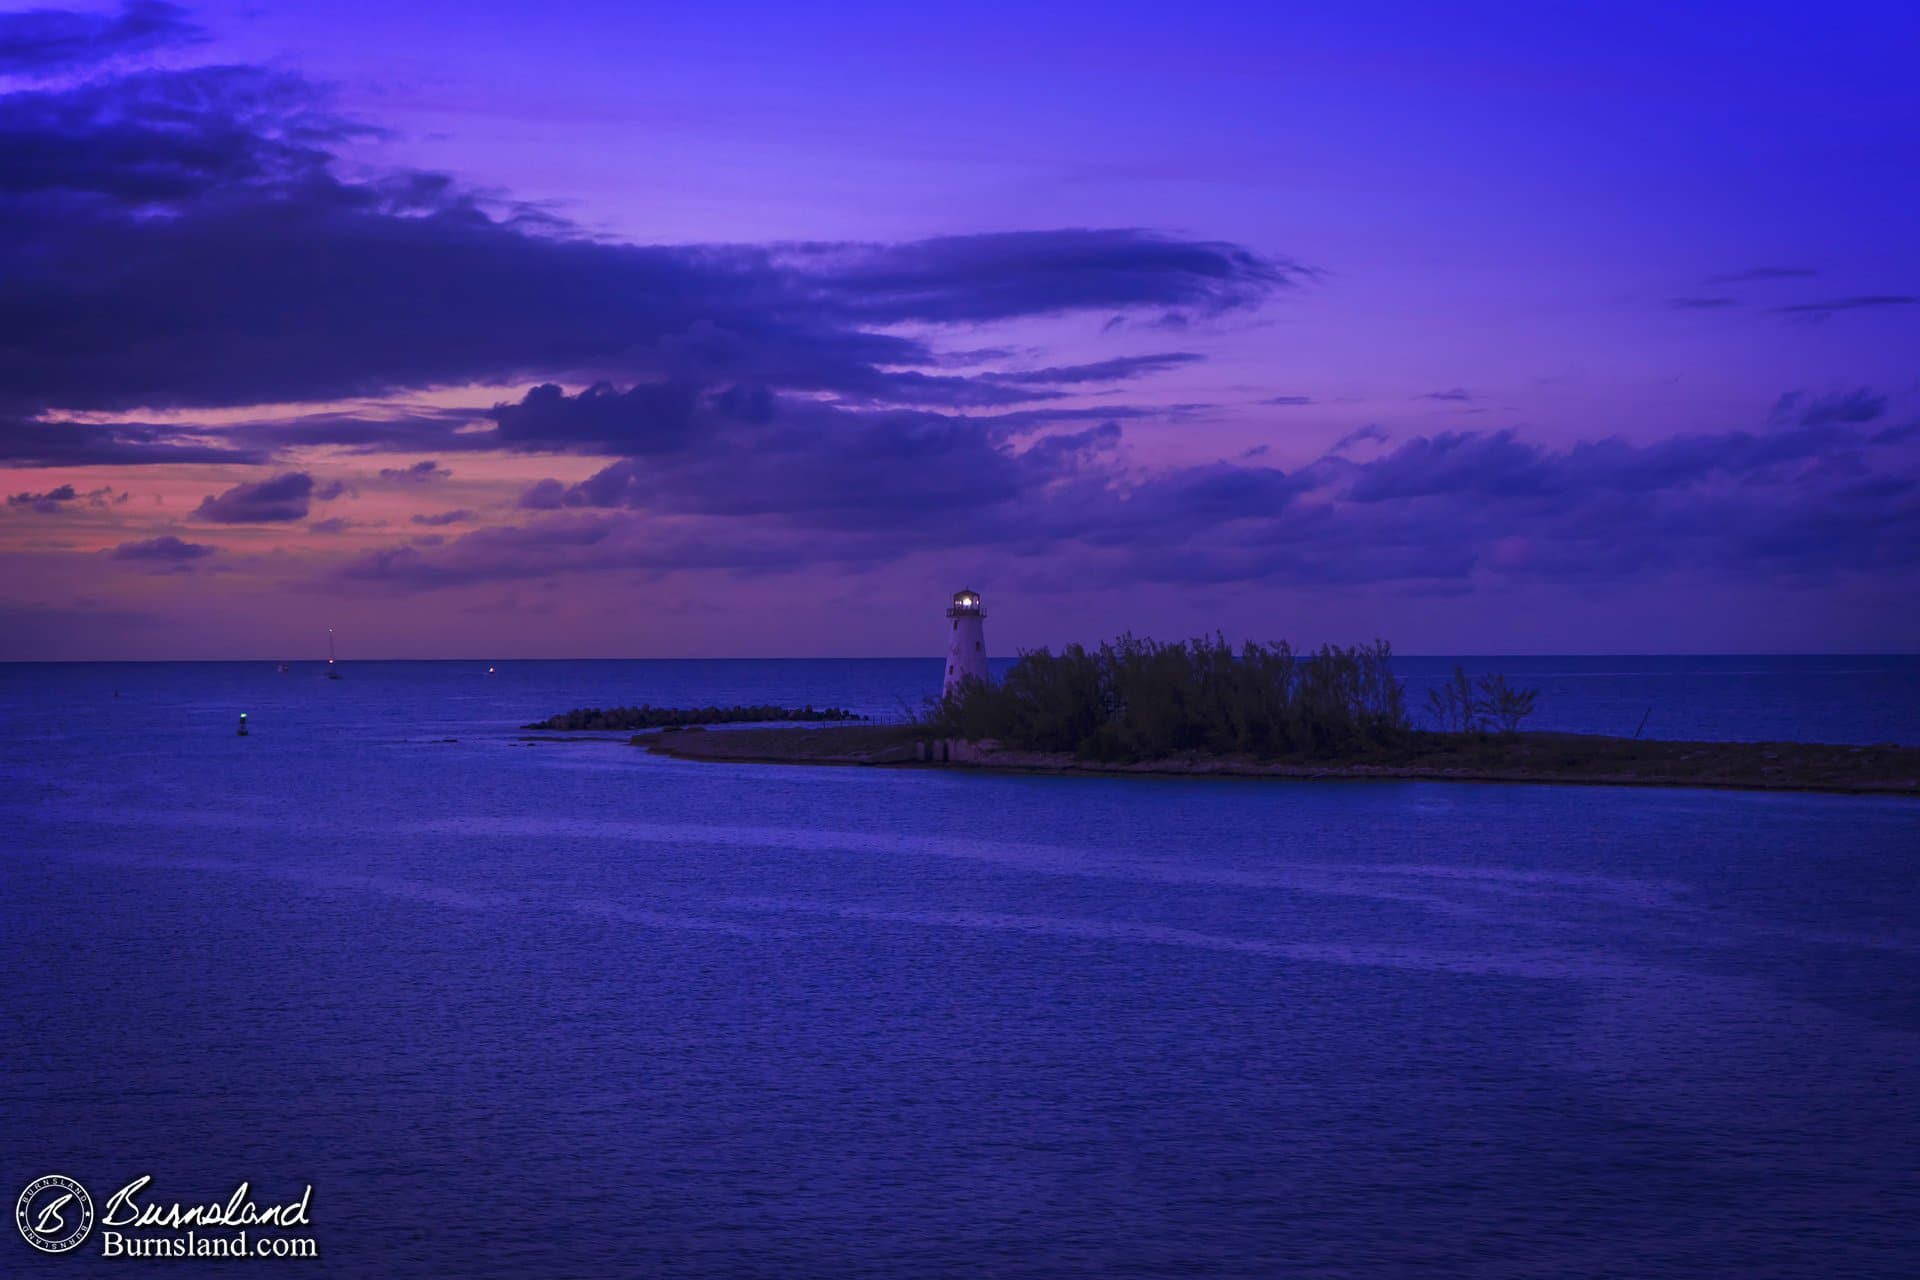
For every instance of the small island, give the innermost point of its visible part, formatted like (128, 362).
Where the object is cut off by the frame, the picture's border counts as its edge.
(1203, 708)
(600, 720)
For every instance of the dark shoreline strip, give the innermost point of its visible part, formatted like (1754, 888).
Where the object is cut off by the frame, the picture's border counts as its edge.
(1821, 768)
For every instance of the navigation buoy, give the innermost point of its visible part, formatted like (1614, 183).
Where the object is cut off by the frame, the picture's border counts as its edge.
(243, 724)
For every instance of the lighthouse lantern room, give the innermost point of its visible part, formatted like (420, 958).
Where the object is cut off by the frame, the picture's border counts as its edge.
(966, 641)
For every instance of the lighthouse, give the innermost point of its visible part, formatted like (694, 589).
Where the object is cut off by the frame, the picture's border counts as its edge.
(966, 641)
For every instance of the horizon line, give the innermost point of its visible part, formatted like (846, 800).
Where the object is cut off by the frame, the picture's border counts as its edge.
(935, 659)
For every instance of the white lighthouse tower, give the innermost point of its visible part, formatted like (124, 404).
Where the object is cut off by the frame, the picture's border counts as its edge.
(966, 641)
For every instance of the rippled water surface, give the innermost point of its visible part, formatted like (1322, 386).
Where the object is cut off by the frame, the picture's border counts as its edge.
(568, 1009)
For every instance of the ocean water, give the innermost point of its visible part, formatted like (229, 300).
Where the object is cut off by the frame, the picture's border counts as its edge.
(566, 1009)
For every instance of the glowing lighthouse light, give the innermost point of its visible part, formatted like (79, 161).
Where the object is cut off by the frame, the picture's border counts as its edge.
(966, 641)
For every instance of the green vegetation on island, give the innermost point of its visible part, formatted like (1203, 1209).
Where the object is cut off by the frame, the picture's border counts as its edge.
(591, 719)
(1134, 699)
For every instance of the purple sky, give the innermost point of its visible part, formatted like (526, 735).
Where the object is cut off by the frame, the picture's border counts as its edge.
(516, 330)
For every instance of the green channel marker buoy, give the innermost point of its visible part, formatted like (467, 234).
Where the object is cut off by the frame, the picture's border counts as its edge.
(243, 724)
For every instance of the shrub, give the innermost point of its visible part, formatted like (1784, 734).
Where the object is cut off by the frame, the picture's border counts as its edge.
(1504, 705)
(1479, 706)
(1453, 706)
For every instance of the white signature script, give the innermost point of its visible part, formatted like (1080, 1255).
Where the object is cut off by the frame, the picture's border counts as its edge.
(123, 1210)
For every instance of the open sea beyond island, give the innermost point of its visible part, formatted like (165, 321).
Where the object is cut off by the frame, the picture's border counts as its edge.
(571, 1009)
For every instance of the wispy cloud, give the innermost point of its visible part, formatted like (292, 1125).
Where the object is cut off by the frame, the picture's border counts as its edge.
(1857, 406)
(1114, 370)
(1369, 434)
(426, 471)
(1755, 275)
(1859, 302)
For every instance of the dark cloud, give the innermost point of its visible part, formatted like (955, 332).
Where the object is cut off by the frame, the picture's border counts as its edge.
(1862, 405)
(182, 239)
(1287, 401)
(1900, 434)
(27, 443)
(1741, 506)
(682, 422)
(153, 142)
(544, 495)
(47, 503)
(973, 278)
(279, 500)
(647, 418)
(1496, 465)
(441, 518)
(557, 544)
(38, 42)
(1701, 304)
(426, 471)
(163, 550)
(1454, 394)
(1810, 494)
(829, 468)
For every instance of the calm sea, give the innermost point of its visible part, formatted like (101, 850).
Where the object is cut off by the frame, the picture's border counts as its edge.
(570, 1010)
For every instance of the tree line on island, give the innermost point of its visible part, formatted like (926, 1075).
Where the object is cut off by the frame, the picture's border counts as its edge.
(1136, 699)
(1260, 710)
